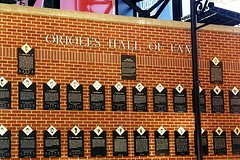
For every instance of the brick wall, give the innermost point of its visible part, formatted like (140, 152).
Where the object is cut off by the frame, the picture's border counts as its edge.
(64, 63)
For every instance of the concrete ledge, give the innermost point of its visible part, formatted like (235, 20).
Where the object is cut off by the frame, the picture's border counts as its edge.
(109, 18)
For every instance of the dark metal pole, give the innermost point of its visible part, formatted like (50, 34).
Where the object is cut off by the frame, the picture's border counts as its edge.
(116, 7)
(177, 9)
(196, 105)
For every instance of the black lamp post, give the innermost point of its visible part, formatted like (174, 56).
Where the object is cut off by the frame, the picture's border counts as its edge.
(197, 8)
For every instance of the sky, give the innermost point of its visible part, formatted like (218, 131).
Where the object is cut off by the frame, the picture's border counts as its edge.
(233, 5)
(165, 15)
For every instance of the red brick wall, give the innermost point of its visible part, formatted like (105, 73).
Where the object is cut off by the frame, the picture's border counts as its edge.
(88, 64)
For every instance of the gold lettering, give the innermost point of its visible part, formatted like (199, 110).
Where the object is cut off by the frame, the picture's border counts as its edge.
(97, 43)
(112, 43)
(176, 48)
(59, 39)
(154, 46)
(121, 45)
(136, 46)
(73, 42)
(188, 49)
(179, 49)
(50, 39)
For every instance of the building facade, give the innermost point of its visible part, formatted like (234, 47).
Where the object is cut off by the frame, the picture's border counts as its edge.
(89, 47)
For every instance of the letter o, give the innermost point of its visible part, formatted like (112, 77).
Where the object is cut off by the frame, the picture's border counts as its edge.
(50, 39)
(75, 42)
(152, 46)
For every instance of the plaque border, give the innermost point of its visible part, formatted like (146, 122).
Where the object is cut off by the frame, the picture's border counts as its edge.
(164, 90)
(174, 104)
(220, 64)
(104, 98)
(19, 144)
(125, 91)
(188, 147)
(10, 142)
(212, 94)
(59, 98)
(92, 133)
(44, 144)
(113, 143)
(145, 153)
(225, 137)
(35, 96)
(133, 90)
(9, 84)
(20, 51)
(68, 136)
(123, 57)
(232, 149)
(156, 151)
(230, 104)
(68, 86)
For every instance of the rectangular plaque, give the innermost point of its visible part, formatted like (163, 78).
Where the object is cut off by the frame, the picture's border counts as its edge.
(235, 142)
(5, 98)
(27, 145)
(234, 102)
(51, 97)
(128, 67)
(5, 145)
(219, 143)
(74, 98)
(140, 100)
(27, 96)
(180, 101)
(181, 143)
(119, 99)
(202, 101)
(216, 72)
(97, 98)
(217, 102)
(141, 144)
(160, 100)
(75, 144)
(52, 144)
(204, 140)
(120, 144)
(26, 62)
(98, 144)
(162, 143)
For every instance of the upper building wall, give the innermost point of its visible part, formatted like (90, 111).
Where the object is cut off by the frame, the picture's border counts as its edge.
(108, 18)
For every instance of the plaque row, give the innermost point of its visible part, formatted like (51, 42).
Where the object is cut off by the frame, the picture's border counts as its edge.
(26, 65)
(51, 97)
(52, 142)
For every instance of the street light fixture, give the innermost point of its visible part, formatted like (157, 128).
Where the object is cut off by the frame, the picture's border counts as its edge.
(197, 8)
